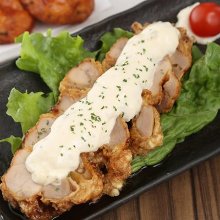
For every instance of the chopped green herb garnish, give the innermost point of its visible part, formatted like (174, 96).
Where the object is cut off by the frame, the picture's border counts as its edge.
(119, 88)
(95, 117)
(125, 63)
(136, 76)
(83, 139)
(88, 103)
(145, 67)
(72, 128)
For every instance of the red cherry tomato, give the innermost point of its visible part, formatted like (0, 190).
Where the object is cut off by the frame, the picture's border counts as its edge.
(205, 19)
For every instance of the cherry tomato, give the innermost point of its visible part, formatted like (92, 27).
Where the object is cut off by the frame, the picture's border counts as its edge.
(205, 19)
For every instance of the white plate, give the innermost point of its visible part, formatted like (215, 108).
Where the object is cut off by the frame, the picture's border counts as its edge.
(103, 9)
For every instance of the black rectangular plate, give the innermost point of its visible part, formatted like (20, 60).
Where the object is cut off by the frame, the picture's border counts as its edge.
(193, 150)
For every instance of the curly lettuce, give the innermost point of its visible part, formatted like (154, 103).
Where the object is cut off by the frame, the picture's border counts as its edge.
(26, 108)
(51, 57)
(197, 105)
(15, 142)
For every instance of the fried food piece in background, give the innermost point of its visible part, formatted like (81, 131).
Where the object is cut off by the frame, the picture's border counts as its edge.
(14, 20)
(59, 11)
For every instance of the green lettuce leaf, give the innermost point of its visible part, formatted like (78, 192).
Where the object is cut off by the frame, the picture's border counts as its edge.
(196, 53)
(14, 141)
(51, 57)
(27, 107)
(109, 38)
(197, 106)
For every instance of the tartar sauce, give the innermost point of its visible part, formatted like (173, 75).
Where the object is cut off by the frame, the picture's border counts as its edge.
(183, 21)
(87, 124)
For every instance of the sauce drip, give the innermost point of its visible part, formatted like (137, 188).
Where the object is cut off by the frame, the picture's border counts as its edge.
(87, 124)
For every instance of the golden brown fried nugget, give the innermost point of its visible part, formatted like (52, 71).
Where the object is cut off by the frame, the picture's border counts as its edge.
(14, 20)
(59, 11)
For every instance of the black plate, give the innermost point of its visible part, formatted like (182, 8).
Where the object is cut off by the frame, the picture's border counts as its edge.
(193, 150)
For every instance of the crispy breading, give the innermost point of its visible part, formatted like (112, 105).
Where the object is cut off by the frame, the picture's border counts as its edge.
(59, 11)
(44, 202)
(146, 133)
(14, 20)
(114, 52)
(114, 159)
(89, 181)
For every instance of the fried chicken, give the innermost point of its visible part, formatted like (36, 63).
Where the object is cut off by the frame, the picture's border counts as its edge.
(181, 61)
(106, 170)
(59, 11)
(14, 20)
(86, 183)
(17, 16)
(164, 92)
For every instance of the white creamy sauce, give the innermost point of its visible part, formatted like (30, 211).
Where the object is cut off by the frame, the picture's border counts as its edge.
(183, 21)
(86, 125)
